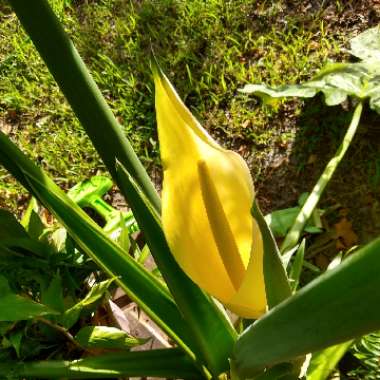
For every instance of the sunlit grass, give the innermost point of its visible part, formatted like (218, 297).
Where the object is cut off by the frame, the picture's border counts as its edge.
(209, 50)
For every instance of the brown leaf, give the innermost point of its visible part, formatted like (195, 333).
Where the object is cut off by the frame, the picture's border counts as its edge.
(346, 237)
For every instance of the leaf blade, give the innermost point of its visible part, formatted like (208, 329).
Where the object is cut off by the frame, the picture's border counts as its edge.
(320, 326)
(209, 326)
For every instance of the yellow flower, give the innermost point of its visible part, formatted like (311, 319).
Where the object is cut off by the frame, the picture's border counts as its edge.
(206, 200)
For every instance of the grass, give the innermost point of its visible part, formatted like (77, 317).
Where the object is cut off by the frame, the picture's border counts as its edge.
(209, 50)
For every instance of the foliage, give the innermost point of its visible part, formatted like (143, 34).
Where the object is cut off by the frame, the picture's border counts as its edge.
(367, 350)
(207, 344)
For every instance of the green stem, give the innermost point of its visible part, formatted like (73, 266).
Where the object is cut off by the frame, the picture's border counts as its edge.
(73, 78)
(305, 213)
(164, 363)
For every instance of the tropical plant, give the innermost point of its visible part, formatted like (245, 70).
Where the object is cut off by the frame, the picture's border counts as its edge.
(240, 248)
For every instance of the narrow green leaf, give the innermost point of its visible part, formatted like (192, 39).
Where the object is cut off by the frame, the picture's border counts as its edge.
(209, 327)
(73, 78)
(15, 338)
(168, 364)
(106, 337)
(276, 282)
(323, 362)
(97, 291)
(32, 207)
(339, 305)
(309, 206)
(135, 280)
(296, 269)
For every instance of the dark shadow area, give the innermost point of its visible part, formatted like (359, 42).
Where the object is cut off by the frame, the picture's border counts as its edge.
(352, 198)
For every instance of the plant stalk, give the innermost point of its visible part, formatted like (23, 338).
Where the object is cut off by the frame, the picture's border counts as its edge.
(305, 213)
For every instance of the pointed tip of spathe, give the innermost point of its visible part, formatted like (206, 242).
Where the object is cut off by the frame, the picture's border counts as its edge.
(155, 66)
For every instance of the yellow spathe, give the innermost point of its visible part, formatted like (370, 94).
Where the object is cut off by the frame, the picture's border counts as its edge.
(206, 200)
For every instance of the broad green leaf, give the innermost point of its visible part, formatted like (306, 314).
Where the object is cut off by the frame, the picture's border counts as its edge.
(276, 282)
(17, 308)
(14, 237)
(135, 280)
(106, 337)
(167, 364)
(323, 362)
(280, 221)
(53, 295)
(367, 44)
(337, 81)
(208, 325)
(283, 371)
(73, 78)
(316, 317)
(97, 291)
(11, 230)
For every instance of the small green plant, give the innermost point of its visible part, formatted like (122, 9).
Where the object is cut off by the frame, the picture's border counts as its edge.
(205, 343)
(336, 81)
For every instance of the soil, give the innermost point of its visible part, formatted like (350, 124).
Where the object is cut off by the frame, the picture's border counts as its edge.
(293, 168)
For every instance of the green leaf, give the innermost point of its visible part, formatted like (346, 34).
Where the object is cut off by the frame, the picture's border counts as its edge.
(208, 325)
(32, 222)
(97, 291)
(106, 337)
(139, 284)
(32, 206)
(280, 221)
(367, 44)
(339, 305)
(296, 269)
(57, 239)
(17, 308)
(14, 237)
(276, 282)
(293, 236)
(337, 81)
(53, 295)
(15, 339)
(168, 363)
(323, 362)
(81, 91)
